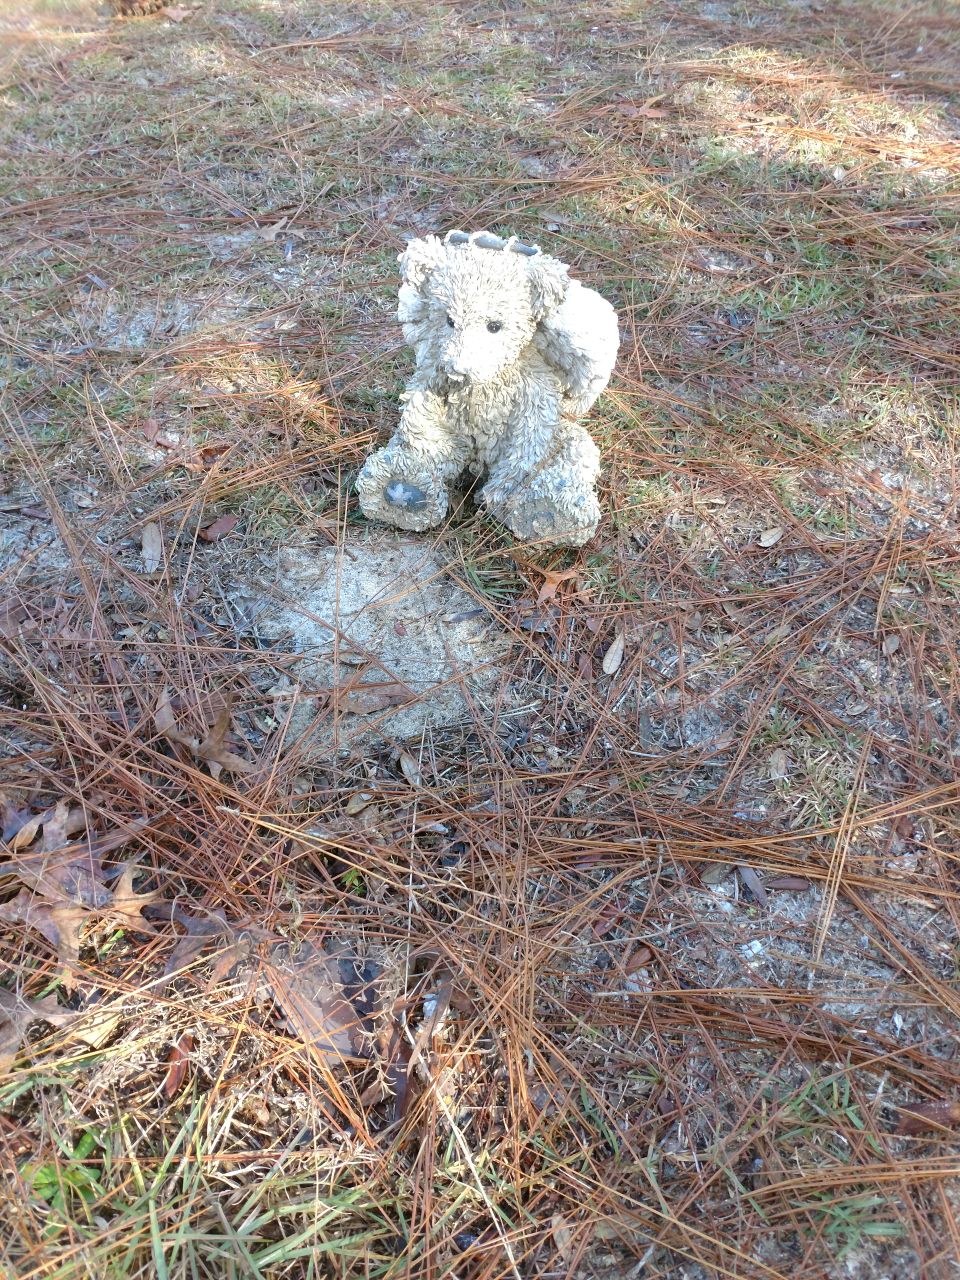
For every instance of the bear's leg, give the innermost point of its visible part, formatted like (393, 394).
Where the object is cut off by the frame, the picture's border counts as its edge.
(405, 483)
(554, 503)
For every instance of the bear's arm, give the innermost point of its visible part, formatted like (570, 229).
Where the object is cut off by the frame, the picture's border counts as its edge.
(424, 427)
(579, 341)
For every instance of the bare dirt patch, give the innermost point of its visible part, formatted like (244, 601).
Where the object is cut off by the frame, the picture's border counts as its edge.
(391, 647)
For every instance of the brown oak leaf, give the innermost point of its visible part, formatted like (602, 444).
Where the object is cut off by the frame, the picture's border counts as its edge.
(309, 989)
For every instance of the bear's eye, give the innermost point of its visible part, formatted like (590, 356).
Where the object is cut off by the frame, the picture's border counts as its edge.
(494, 326)
(450, 321)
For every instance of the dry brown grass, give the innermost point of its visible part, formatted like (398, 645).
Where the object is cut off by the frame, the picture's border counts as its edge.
(662, 955)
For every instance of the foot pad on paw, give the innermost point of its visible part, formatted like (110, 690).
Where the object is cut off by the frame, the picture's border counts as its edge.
(405, 496)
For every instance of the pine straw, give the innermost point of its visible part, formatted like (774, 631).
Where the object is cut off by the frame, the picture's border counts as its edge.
(618, 1060)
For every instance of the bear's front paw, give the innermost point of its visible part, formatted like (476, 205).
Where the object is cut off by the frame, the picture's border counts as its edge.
(406, 497)
(391, 494)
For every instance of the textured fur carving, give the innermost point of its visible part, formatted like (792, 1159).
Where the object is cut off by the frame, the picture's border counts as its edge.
(510, 352)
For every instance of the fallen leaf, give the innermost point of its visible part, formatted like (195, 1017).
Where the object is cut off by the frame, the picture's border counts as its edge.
(919, 1116)
(399, 1053)
(794, 884)
(16, 617)
(271, 232)
(71, 873)
(69, 877)
(60, 925)
(563, 1235)
(59, 823)
(638, 958)
(753, 882)
(62, 872)
(464, 615)
(548, 1098)
(309, 990)
(93, 1024)
(219, 528)
(608, 919)
(393, 1074)
(716, 873)
(770, 537)
(13, 820)
(904, 826)
(256, 1110)
(411, 769)
(213, 751)
(17, 1014)
(371, 818)
(436, 1005)
(357, 803)
(198, 931)
(366, 699)
(26, 834)
(226, 960)
(152, 435)
(561, 219)
(646, 113)
(209, 454)
(163, 718)
(614, 655)
(151, 542)
(114, 669)
(178, 1060)
(612, 1229)
(96, 1023)
(128, 905)
(891, 643)
(65, 884)
(777, 763)
(551, 582)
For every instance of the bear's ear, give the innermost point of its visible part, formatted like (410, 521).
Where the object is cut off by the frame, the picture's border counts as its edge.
(549, 280)
(418, 259)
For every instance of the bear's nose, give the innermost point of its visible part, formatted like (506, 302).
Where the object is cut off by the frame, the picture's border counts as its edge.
(455, 365)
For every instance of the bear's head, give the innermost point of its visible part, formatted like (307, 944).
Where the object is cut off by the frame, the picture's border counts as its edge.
(470, 312)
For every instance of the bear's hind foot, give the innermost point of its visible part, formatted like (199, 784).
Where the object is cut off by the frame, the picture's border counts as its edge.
(539, 520)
